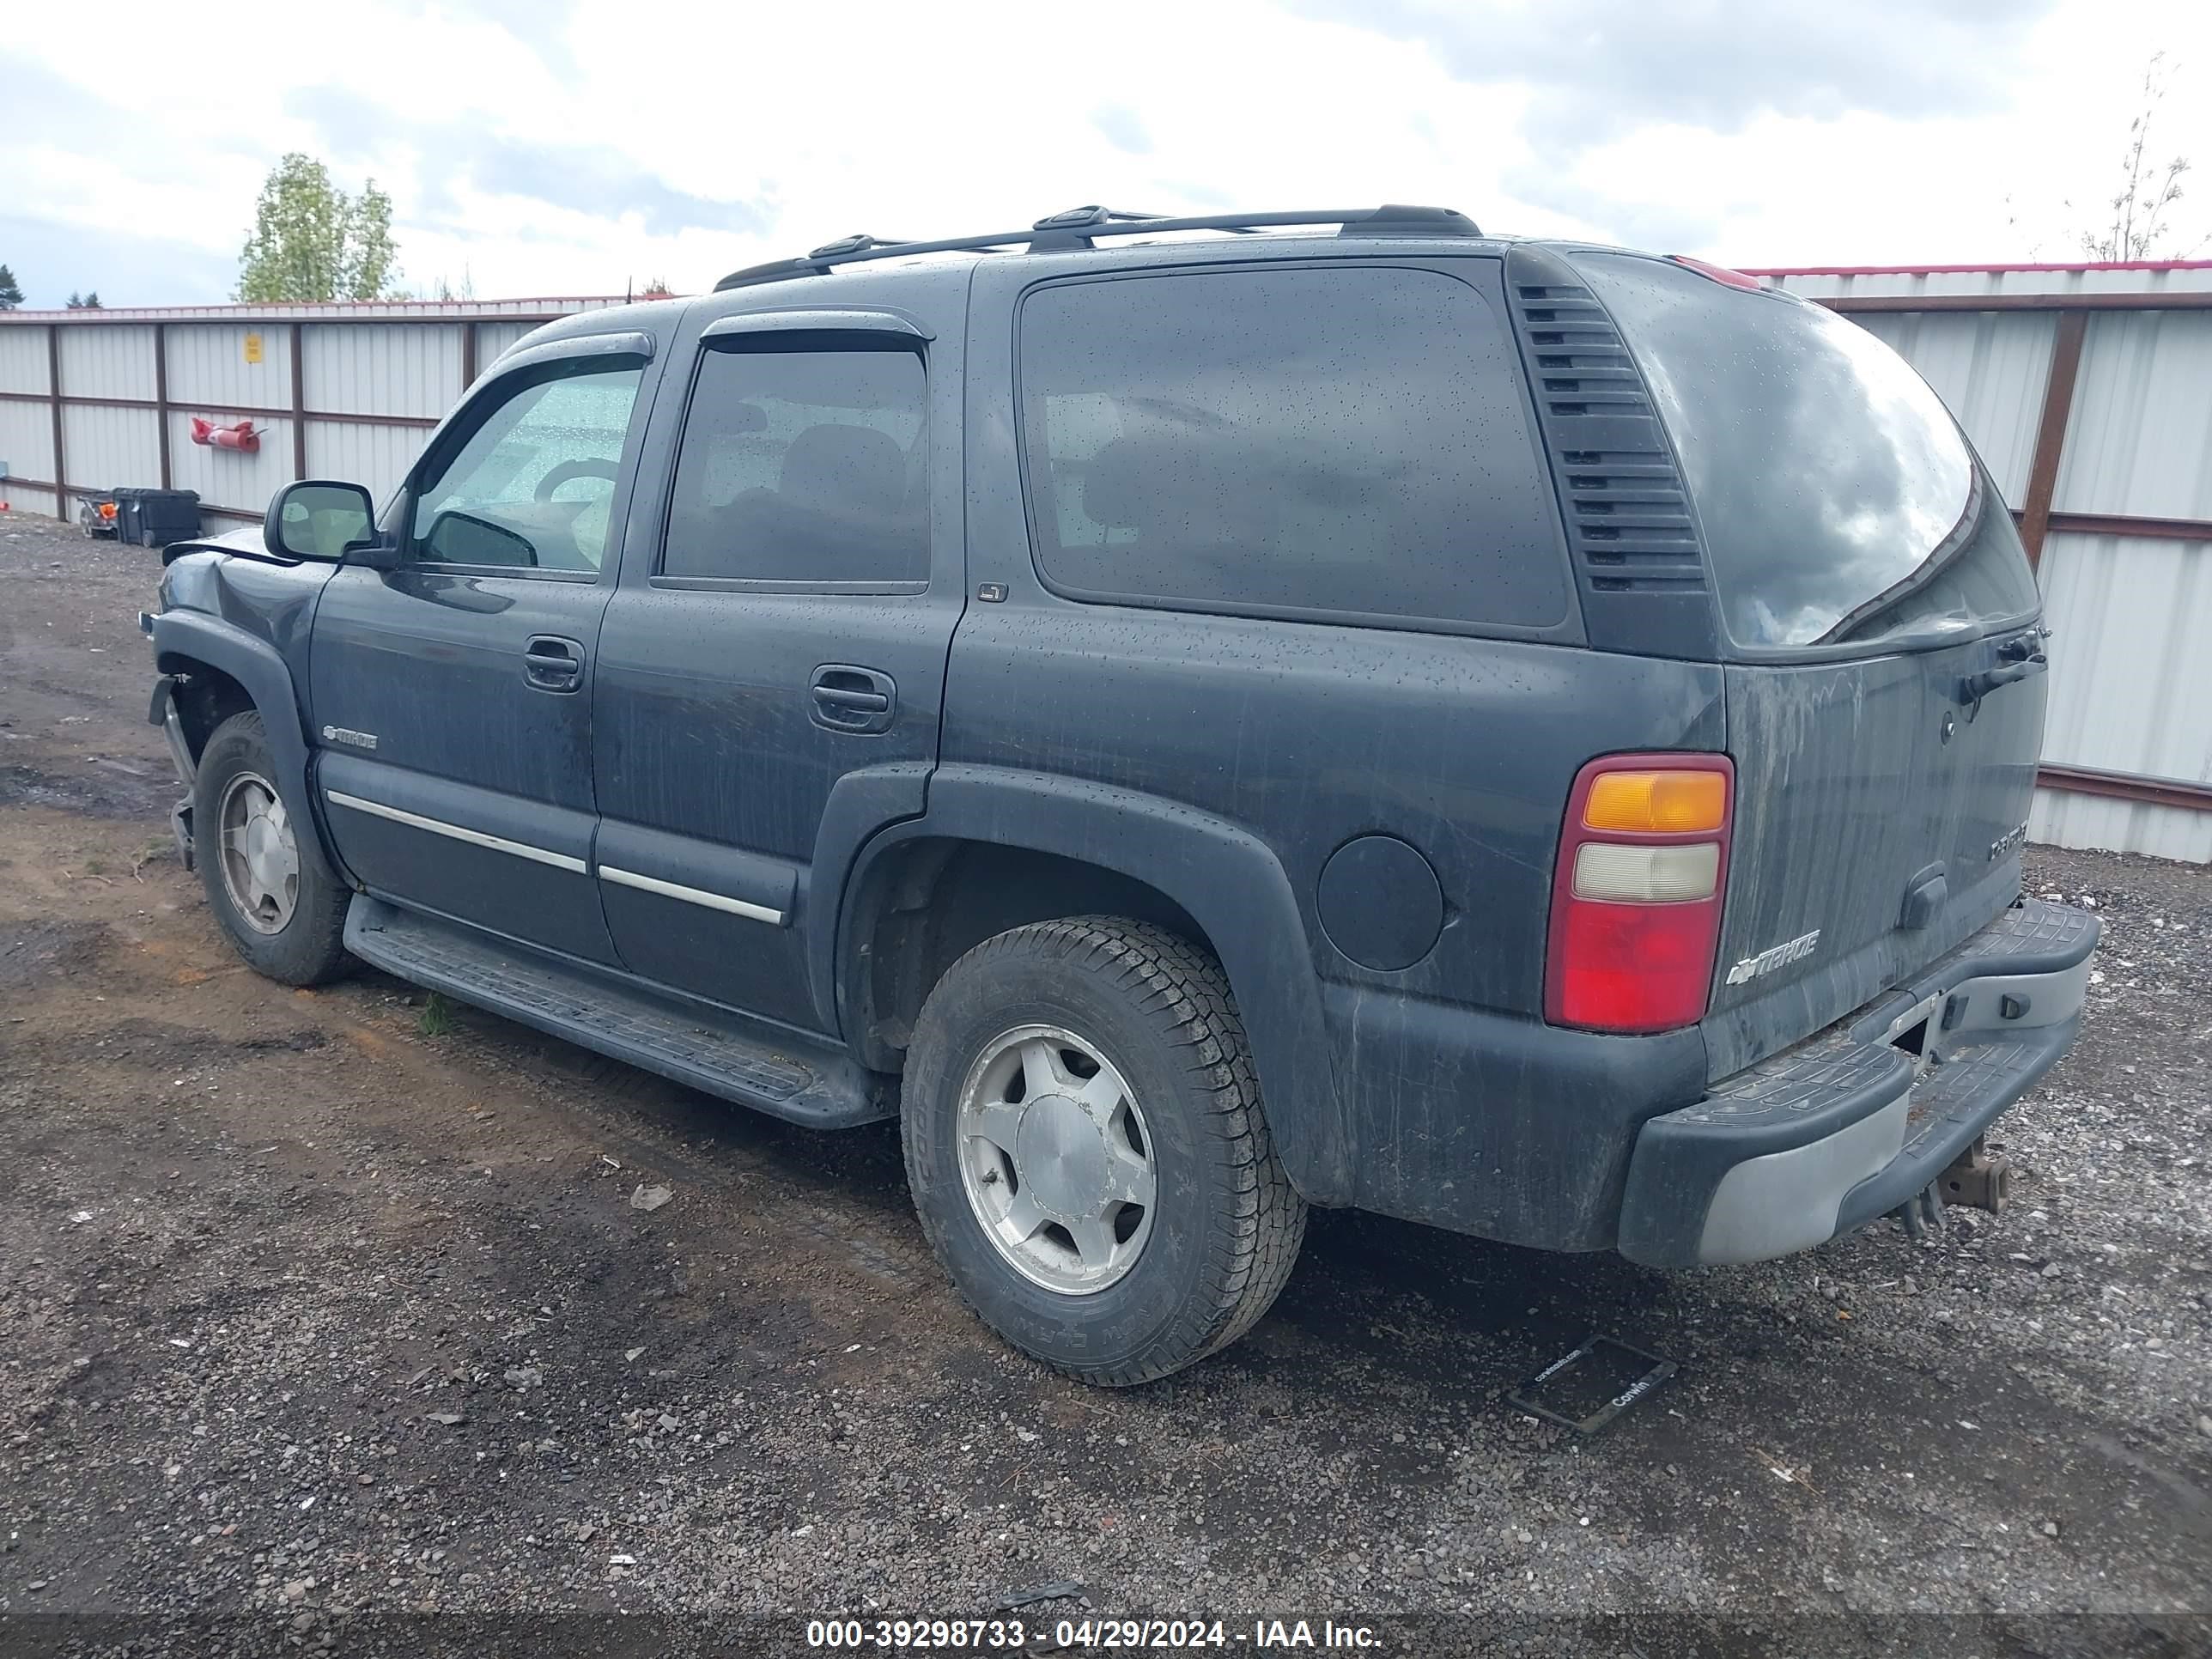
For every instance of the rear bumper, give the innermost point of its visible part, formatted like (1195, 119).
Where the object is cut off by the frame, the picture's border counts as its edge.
(1822, 1138)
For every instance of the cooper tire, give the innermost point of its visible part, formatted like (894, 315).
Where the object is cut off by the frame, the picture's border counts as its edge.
(1225, 1226)
(296, 934)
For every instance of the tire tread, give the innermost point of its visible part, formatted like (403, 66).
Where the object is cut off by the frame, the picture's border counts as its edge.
(1253, 1242)
(311, 950)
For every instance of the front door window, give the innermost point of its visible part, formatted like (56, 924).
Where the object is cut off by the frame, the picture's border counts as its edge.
(532, 487)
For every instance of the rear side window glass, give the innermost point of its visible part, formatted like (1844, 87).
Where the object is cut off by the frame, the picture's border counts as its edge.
(1350, 441)
(802, 466)
(1840, 503)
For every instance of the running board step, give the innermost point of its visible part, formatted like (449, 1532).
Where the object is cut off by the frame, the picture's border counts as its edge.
(816, 1085)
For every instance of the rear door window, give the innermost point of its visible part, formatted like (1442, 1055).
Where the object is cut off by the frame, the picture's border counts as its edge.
(1349, 441)
(801, 467)
(1839, 503)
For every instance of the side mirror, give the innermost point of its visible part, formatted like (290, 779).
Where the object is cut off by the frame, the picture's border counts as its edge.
(315, 518)
(457, 538)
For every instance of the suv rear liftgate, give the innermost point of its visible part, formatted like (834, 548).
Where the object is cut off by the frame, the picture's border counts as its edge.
(1878, 624)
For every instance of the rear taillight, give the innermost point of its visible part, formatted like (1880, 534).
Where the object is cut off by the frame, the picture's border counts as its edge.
(1636, 896)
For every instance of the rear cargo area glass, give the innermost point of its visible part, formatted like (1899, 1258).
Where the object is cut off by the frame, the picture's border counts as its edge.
(1838, 501)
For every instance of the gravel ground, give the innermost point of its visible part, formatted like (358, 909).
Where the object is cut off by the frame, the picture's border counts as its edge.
(322, 1309)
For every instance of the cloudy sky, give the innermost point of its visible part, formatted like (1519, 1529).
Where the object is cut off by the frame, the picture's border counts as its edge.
(536, 147)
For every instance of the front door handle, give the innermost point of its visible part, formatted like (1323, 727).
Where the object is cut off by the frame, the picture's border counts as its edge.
(550, 663)
(849, 699)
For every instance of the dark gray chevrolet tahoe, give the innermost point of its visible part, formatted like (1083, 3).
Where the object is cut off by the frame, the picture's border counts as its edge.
(1198, 718)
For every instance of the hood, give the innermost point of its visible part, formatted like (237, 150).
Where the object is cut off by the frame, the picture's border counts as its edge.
(247, 539)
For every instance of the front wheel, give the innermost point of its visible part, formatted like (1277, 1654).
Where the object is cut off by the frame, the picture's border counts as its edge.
(1087, 1152)
(270, 888)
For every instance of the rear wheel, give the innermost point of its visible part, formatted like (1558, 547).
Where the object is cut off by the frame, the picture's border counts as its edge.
(266, 878)
(1085, 1143)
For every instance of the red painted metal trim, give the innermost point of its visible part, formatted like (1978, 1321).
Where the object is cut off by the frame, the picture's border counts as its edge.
(2121, 785)
(162, 399)
(2121, 523)
(2050, 431)
(84, 399)
(54, 395)
(299, 406)
(424, 422)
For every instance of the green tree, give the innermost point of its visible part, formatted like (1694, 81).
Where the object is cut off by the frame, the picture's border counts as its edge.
(85, 301)
(11, 294)
(312, 241)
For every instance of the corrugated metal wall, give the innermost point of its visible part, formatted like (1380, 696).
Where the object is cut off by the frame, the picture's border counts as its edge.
(377, 456)
(27, 429)
(373, 381)
(1990, 367)
(108, 362)
(492, 338)
(398, 369)
(214, 366)
(103, 442)
(26, 444)
(22, 360)
(2141, 437)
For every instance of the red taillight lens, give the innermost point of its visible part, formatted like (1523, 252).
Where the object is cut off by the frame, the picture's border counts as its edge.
(1636, 914)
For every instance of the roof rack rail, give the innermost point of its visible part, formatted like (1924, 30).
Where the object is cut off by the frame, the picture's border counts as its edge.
(1080, 228)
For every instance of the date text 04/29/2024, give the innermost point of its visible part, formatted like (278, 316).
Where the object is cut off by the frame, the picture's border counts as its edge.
(1087, 1634)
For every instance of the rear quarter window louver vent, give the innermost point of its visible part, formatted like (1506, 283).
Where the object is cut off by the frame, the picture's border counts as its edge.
(1627, 514)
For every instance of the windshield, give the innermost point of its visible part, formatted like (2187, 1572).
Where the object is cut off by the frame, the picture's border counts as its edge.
(1838, 501)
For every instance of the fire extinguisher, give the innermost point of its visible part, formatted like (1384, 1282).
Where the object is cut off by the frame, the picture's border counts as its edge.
(242, 436)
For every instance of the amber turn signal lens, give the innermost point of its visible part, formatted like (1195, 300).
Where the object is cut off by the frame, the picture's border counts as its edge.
(1656, 803)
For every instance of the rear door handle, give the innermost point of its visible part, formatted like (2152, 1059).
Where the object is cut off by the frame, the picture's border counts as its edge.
(850, 699)
(550, 663)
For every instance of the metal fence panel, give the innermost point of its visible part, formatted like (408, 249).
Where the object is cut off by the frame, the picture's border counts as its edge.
(375, 456)
(22, 360)
(106, 446)
(2131, 683)
(394, 368)
(2061, 819)
(492, 338)
(218, 368)
(27, 441)
(108, 362)
(2141, 438)
(1989, 368)
(19, 499)
(2014, 283)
